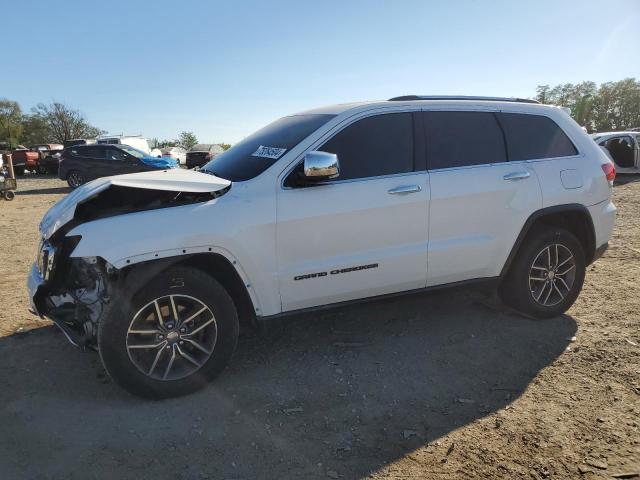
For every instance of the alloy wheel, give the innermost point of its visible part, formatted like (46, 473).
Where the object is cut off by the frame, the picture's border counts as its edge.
(75, 179)
(552, 275)
(171, 337)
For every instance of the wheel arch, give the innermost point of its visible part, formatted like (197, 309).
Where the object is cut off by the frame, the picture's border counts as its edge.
(574, 217)
(214, 264)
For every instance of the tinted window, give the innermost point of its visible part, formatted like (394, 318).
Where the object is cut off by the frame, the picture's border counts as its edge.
(534, 136)
(374, 146)
(91, 152)
(116, 154)
(246, 159)
(458, 139)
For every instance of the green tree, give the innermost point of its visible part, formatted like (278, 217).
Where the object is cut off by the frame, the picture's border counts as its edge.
(10, 121)
(612, 106)
(187, 140)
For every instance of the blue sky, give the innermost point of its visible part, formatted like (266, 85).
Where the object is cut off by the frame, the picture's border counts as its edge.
(224, 69)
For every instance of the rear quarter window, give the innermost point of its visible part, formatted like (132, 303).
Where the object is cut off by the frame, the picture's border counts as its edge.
(531, 137)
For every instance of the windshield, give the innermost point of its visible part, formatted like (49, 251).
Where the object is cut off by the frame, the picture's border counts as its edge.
(133, 151)
(253, 155)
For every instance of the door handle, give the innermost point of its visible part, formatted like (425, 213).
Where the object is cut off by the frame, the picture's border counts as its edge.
(513, 176)
(404, 189)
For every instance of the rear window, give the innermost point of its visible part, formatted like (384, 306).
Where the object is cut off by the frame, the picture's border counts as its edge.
(531, 137)
(201, 147)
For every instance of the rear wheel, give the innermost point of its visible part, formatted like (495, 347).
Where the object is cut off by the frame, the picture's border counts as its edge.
(172, 337)
(547, 274)
(75, 179)
(8, 195)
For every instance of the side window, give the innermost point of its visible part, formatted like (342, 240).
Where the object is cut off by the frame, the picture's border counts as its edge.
(460, 139)
(93, 152)
(534, 137)
(116, 154)
(374, 146)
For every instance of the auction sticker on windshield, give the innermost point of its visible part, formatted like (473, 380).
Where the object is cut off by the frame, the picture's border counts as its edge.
(269, 152)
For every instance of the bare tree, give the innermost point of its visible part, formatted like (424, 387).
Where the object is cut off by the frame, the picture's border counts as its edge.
(64, 123)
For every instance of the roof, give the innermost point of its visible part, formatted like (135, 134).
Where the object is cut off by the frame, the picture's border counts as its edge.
(610, 134)
(427, 100)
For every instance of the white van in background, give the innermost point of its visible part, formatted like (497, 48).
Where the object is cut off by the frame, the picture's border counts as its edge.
(135, 141)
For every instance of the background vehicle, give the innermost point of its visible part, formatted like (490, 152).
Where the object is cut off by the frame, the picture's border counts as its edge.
(24, 159)
(78, 141)
(335, 205)
(177, 153)
(136, 141)
(624, 148)
(202, 153)
(82, 163)
(49, 157)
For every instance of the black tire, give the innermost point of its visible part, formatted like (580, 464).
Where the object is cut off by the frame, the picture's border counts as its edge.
(75, 179)
(8, 195)
(521, 287)
(115, 344)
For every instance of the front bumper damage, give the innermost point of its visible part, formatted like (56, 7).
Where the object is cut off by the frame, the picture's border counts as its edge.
(75, 307)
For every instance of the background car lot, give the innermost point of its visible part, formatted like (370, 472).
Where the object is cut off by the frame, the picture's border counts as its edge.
(444, 384)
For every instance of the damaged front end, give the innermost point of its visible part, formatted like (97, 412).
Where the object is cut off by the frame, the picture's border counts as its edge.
(75, 291)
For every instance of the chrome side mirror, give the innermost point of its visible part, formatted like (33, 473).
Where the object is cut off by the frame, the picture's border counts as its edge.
(321, 166)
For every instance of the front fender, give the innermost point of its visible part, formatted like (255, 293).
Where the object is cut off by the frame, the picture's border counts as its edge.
(184, 231)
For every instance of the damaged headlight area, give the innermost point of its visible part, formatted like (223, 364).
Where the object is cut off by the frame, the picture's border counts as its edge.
(75, 291)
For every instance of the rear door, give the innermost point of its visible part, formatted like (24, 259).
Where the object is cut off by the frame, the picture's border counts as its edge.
(479, 200)
(94, 161)
(364, 233)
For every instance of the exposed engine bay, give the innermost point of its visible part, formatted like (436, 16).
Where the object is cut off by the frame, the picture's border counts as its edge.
(118, 200)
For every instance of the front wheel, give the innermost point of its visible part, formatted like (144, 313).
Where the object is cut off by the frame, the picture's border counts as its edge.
(547, 274)
(75, 179)
(8, 195)
(170, 338)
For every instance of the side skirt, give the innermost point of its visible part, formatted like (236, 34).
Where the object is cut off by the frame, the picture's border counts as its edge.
(489, 283)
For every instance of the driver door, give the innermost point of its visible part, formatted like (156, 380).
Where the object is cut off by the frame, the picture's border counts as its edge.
(363, 233)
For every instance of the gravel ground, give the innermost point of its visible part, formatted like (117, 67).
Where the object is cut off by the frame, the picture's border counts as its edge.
(434, 386)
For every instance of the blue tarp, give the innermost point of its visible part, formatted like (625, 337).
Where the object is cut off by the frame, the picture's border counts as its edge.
(162, 162)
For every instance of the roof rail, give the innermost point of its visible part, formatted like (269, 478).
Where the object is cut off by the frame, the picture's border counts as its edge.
(406, 98)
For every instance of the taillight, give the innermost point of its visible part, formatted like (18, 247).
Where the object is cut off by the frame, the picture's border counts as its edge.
(609, 171)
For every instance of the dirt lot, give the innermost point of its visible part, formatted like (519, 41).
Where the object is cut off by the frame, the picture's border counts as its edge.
(434, 386)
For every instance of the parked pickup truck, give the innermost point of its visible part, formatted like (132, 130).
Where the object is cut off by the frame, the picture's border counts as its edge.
(158, 270)
(49, 157)
(24, 159)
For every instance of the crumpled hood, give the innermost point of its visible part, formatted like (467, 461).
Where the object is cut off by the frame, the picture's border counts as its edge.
(174, 180)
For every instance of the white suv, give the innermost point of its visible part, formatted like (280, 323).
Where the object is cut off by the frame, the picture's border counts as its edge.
(158, 270)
